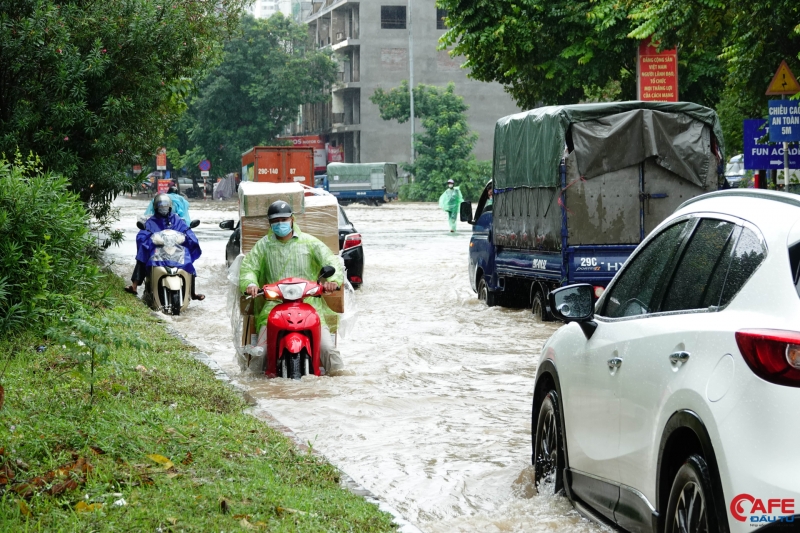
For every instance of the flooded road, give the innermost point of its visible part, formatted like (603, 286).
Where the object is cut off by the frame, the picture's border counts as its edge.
(433, 415)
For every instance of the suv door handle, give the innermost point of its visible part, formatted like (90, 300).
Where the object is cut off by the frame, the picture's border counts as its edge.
(679, 357)
(615, 362)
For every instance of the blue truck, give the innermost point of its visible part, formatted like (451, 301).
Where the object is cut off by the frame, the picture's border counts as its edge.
(368, 183)
(576, 188)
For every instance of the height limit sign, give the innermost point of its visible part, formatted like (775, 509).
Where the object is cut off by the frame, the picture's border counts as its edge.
(784, 120)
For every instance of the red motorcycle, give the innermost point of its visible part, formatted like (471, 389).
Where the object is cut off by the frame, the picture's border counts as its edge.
(293, 328)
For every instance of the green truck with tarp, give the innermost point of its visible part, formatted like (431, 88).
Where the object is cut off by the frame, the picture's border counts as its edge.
(576, 188)
(370, 183)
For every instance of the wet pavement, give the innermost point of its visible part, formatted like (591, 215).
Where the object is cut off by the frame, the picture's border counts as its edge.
(434, 412)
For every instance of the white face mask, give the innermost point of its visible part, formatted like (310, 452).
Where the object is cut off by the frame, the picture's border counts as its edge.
(450, 185)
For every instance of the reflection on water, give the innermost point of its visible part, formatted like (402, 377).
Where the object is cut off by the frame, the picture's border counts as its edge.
(434, 414)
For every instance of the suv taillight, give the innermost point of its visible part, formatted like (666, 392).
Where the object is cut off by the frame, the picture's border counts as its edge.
(772, 354)
(351, 241)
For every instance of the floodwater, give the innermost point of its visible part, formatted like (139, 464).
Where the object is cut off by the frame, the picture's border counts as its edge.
(434, 413)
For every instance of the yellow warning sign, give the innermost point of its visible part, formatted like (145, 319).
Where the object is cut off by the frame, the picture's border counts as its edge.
(784, 81)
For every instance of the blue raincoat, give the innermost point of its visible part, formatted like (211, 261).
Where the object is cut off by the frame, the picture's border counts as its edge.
(179, 206)
(183, 255)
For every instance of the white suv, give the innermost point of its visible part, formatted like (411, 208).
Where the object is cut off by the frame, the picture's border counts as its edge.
(673, 404)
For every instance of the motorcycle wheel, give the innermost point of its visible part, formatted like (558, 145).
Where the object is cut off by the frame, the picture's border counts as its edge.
(296, 372)
(175, 302)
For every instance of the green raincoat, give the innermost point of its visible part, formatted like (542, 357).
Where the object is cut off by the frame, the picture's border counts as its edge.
(302, 256)
(450, 201)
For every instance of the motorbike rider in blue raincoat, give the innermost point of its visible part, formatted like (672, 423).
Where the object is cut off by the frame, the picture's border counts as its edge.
(164, 219)
(180, 206)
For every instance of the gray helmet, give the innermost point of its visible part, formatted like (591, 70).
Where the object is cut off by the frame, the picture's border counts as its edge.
(279, 209)
(162, 205)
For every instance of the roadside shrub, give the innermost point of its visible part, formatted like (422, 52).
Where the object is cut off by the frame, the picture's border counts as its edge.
(45, 268)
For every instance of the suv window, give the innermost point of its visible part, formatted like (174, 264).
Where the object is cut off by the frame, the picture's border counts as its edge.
(794, 264)
(700, 275)
(717, 263)
(747, 256)
(634, 291)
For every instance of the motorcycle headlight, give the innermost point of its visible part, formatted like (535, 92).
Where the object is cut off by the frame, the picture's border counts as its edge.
(292, 291)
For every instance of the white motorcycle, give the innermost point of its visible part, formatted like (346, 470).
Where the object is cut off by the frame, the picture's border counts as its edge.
(168, 289)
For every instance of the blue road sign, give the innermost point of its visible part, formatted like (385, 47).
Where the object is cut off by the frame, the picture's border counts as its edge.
(784, 120)
(762, 155)
(205, 165)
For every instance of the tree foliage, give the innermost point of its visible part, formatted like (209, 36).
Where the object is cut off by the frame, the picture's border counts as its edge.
(751, 38)
(543, 51)
(444, 149)
(564, 52)
(266, 74)
(91, 87)
(561, 52)
(44, 244)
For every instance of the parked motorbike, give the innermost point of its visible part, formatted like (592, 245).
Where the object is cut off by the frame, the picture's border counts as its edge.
(168, 288)
(294, 329)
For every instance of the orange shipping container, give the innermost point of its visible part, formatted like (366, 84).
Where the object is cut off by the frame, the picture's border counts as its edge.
(279, 164)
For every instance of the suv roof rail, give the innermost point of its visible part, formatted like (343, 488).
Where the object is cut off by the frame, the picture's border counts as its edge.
(786, 198)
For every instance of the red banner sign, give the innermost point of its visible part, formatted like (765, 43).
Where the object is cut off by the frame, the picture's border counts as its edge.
(335, 154)
(658, 73)
(161, 159)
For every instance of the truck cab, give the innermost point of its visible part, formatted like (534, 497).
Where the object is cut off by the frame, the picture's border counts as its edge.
(481, 249)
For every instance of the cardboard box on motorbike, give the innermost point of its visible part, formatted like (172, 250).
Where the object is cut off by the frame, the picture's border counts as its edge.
(315, 215)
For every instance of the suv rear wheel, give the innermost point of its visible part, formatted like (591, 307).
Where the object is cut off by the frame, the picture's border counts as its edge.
(692, 508)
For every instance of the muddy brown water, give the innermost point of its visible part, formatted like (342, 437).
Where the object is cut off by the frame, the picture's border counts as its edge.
(434, 413)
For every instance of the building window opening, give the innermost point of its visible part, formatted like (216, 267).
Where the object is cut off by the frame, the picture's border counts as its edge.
(393, 17)
(441, 14)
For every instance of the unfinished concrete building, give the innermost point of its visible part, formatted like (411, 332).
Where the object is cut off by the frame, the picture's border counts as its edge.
(370, 40)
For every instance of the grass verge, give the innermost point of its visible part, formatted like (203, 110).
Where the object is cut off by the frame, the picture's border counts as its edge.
(163, 446)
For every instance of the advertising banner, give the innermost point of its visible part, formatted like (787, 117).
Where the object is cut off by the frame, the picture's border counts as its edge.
(658, 73)
(318, 144)
(163, 185)
(335, 154)
(161, 159)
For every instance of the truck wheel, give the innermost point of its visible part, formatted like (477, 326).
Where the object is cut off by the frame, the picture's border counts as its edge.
(539, 307)
(486, 295)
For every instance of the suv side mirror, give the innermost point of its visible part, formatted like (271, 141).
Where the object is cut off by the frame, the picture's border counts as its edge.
(575, 303)
(194, 224)
(227, 224)
(466, 212)
(326, 272)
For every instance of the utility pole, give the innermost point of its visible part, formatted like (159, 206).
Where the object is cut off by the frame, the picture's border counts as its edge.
(411, 78)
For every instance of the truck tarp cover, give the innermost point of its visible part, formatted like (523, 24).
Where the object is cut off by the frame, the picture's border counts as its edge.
(361, 172)
(607, 137)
